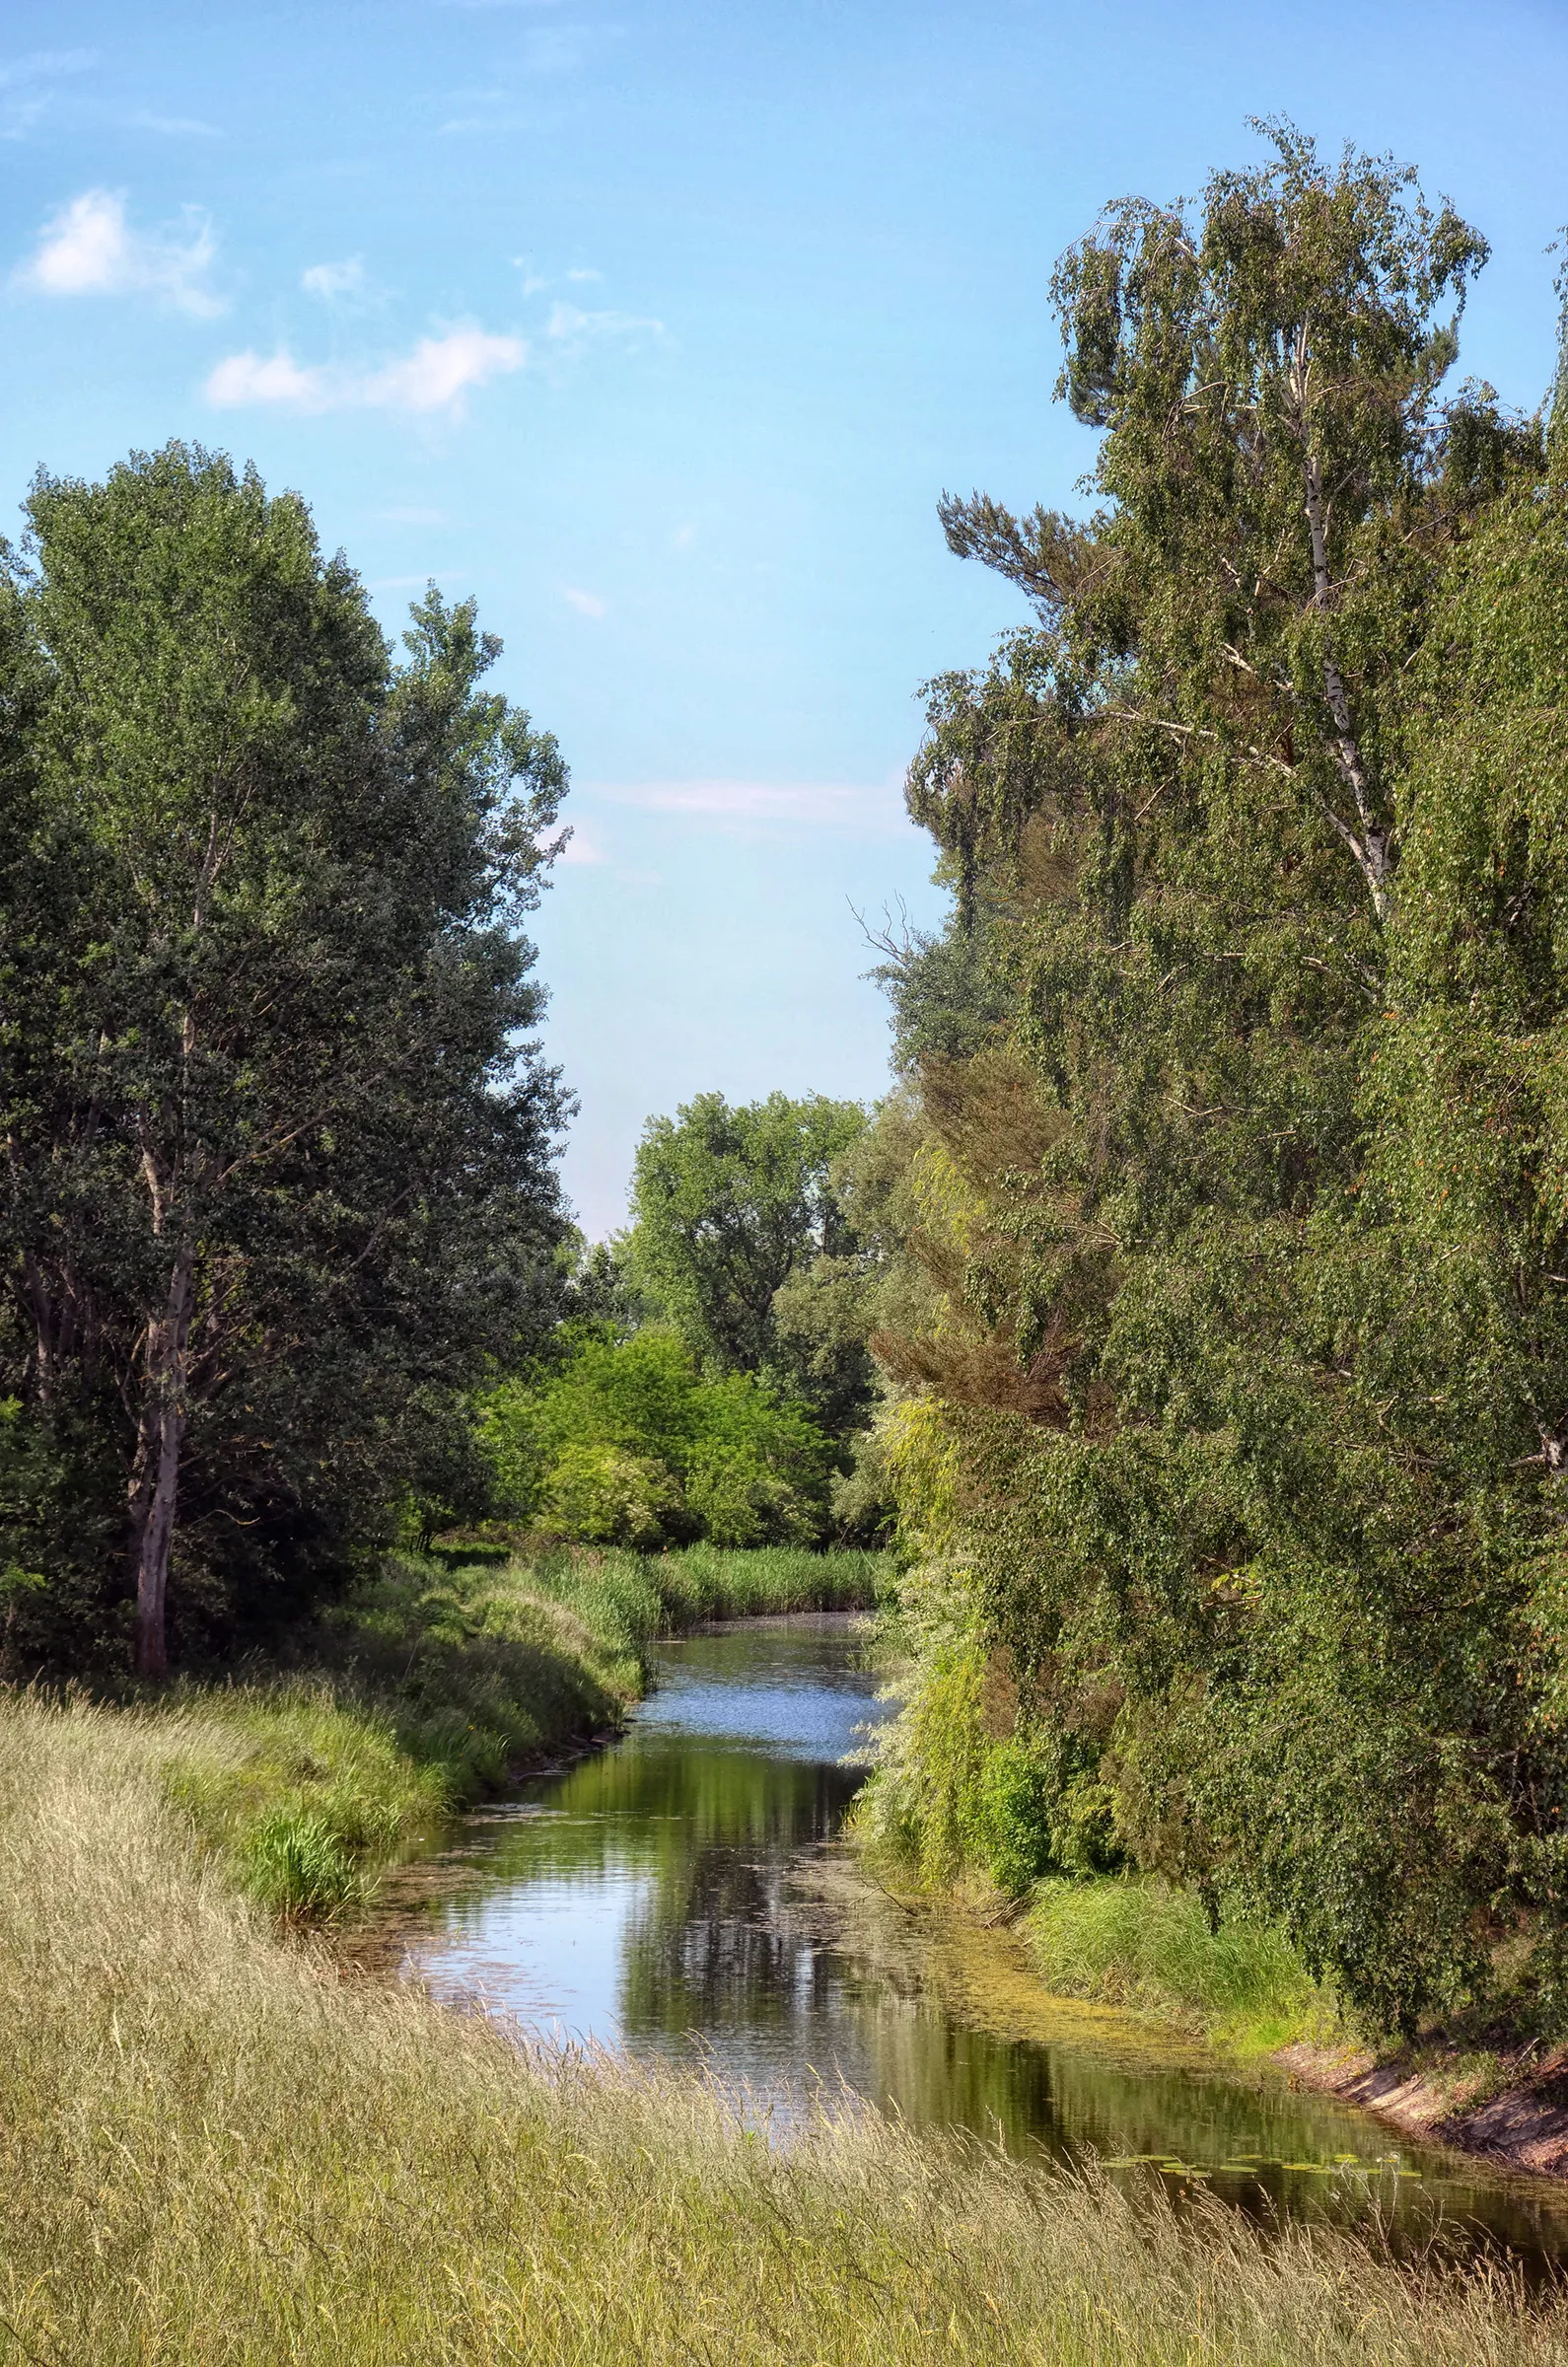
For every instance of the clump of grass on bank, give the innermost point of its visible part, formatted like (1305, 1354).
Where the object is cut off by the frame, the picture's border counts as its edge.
(299, 1791)
(1149, 1946)
(214, 2150)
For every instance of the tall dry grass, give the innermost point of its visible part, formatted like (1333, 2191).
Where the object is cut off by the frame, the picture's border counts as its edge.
(214, 2148)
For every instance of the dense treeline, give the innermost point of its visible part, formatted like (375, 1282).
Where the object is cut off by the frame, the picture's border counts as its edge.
(1231, 1163)
(278, 1181)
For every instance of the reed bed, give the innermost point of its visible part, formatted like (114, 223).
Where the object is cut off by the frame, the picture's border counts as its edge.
(218, 2148)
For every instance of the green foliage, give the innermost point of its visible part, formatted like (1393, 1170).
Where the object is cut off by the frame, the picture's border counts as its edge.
(626, 1442)
(1038, 1813)
(1230, 1313)
(605, 1497)
(741, 1243)
(59, 1522)
(280, 1177)
(476, 1668)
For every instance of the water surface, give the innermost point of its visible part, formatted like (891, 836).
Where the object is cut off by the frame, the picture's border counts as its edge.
(684, 1894)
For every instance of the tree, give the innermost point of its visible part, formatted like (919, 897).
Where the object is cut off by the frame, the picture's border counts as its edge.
(623, 1441)
(280, 1153)
(1229, 1440)
(732, 1205)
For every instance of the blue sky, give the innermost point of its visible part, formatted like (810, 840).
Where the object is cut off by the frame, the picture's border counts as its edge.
(659, 327)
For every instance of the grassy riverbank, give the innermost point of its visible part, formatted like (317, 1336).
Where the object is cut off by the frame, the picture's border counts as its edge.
(1150, 1947)
(216, 2149)
(427, 1686)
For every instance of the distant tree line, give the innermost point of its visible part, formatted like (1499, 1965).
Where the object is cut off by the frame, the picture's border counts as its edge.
(711, 1377)
(1226, 1191)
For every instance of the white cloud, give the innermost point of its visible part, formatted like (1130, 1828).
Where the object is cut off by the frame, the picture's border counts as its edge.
(22, 100)
(587, 603)
(584, 274)
(89, 249)
(853, 807)
(683, 537)
(328, 280)
(572, 329)
(41, 64)
(247, 377)
(581, 847)
(435, 376)
(440, 370)
(174, 128)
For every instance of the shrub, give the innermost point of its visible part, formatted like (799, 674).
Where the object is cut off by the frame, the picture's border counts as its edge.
(605, 1496)
(626, 1442)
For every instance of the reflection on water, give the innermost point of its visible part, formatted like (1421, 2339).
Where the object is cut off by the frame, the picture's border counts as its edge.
(683, 1895)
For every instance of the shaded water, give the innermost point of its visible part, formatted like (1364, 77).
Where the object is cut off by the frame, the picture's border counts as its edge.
(683, 1895)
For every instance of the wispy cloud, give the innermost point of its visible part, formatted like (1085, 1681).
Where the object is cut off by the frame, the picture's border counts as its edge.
(40, 65)
(437, 376)
(329, 280)
(581, 847)
(584, 273)
(25, 94)
(89, 249)
(836, 805)
(587, 603)
(174, 128)
(571, 330)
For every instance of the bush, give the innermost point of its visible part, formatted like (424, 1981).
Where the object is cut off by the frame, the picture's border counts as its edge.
(605, 1496)
(625, 1441)
(1035, 1814)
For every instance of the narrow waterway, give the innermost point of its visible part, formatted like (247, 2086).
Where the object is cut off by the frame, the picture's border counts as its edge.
(684, 1894)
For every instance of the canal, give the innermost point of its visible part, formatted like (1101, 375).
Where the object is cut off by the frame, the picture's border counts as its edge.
(686, 1895)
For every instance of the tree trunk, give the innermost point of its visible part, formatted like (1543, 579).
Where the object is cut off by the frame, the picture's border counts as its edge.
(1369, 843)
(155, 1485)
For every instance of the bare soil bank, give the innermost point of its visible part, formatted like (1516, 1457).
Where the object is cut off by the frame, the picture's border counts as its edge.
(1494, 2106)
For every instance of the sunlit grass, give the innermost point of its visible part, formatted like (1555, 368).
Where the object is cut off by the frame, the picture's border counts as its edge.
(217, 2149)
(1146, 1945)
(636, 1597)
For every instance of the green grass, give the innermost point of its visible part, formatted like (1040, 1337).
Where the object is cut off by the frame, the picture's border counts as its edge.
(300, 1791)
(636, 1597)
(215, 2151)
(1146, 1945)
